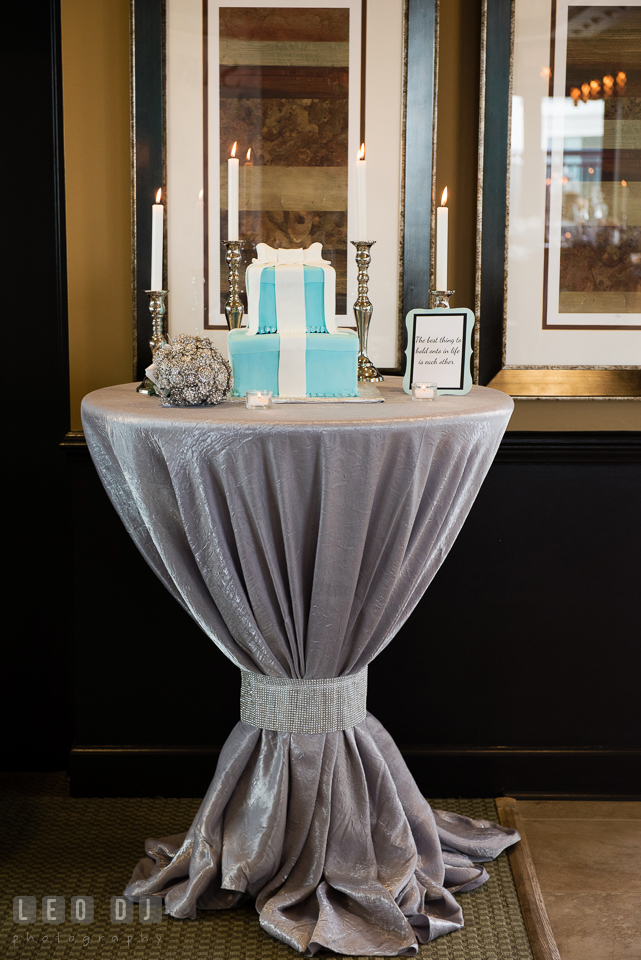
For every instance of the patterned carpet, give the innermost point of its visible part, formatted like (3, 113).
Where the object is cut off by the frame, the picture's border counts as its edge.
(53, 845)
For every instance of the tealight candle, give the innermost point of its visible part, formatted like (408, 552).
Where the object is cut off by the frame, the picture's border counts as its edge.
(258, 399)
(424, 391)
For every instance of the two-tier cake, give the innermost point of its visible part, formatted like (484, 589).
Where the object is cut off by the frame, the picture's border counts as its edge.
(291, 345)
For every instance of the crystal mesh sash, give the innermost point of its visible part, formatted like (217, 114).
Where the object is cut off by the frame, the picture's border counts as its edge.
(303, 706)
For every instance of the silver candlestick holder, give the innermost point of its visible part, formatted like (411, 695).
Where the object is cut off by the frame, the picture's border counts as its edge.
(441, 299)
(157, 309)
(234, 308)
(367, 372)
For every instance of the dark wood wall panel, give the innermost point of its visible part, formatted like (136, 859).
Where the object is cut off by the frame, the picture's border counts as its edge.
(495, 139)
(419, 158)
(36, 676)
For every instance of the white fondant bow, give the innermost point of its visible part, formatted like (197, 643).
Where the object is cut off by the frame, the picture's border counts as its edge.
(273, 256)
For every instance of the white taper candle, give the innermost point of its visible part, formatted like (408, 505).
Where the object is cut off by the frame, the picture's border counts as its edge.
(157, 223)
(232, 195)
(441, 243)
(361, 195)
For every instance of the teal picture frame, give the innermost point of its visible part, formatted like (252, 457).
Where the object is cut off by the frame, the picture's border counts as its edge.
(439, 349)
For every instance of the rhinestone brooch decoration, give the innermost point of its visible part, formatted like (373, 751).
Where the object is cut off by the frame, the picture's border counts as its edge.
(191, 371)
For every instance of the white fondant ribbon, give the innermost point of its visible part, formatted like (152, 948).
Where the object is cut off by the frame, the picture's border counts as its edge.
(290, 287)
(292, 375)
(290, 297)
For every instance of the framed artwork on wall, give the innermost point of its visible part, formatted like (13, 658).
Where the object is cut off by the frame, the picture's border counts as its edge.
(297, 85)
(559, 235)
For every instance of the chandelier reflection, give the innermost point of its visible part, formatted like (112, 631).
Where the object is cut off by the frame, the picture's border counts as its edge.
(603, 89)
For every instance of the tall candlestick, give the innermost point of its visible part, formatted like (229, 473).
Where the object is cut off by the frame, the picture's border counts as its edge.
(157, 218)
(232, 195)
(441, 243)
(361, 195)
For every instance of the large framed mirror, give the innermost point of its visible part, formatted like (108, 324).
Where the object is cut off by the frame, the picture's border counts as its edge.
(559, 225)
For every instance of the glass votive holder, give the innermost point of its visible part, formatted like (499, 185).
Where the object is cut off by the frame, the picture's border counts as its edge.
(424, 391)
(258, 399)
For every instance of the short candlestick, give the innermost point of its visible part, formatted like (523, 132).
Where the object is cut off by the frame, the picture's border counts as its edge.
(441, 299)
(157, 309)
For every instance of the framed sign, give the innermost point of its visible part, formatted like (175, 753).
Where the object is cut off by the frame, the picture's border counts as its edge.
(298, 84)
(439, 349)
(559, 238)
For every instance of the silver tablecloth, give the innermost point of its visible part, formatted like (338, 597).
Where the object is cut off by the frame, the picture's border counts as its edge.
(300, 539)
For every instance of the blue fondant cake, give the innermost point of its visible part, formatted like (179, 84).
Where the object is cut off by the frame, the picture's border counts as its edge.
(291, 345)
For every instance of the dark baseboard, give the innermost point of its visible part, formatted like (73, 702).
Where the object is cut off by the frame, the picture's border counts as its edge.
(506, 771)
(444, 771)
(594, 797)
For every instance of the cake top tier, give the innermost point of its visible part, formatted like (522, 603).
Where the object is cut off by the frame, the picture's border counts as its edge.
(278, 294)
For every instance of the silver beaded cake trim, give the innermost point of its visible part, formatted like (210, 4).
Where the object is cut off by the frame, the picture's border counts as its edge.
(303, 706)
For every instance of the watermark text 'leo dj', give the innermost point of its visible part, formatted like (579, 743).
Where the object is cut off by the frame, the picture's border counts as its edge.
(53, 910)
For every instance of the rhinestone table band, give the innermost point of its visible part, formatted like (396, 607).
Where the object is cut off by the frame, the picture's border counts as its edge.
(303, 706)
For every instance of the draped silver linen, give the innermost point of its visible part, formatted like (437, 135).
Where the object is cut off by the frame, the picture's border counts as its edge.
(300, 539)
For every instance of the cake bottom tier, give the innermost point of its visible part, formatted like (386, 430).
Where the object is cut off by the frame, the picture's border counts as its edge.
(331, 363)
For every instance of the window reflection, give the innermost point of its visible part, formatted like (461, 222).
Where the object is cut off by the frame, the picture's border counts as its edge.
(600, 173)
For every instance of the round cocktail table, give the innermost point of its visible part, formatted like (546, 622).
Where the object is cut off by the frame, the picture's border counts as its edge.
(300, 539)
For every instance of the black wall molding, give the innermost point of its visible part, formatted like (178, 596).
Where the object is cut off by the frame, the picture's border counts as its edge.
(522, 446)
(444, 771)
(570, 447)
